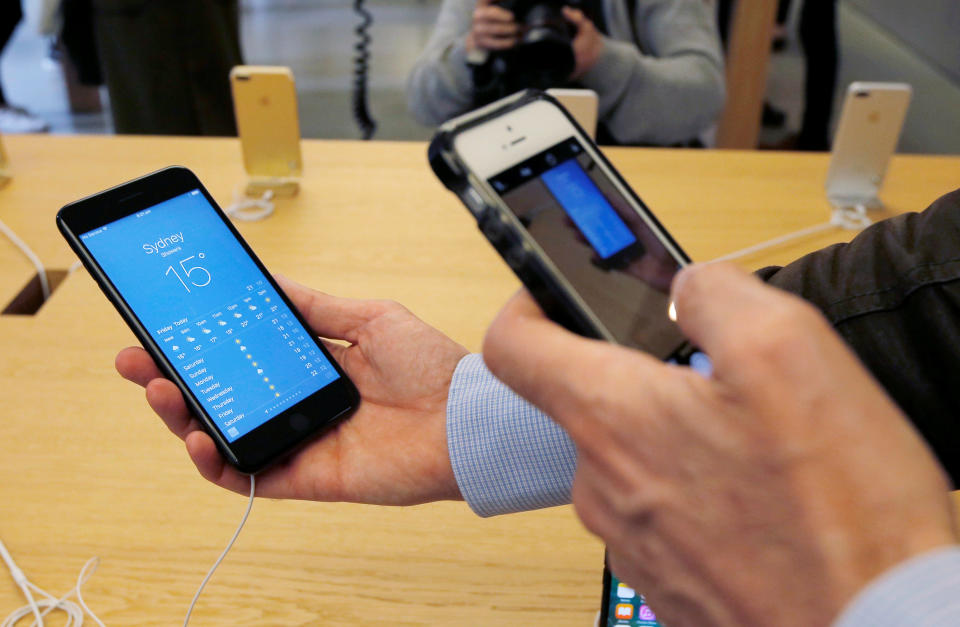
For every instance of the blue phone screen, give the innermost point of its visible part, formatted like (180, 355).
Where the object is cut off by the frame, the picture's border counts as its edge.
(211, 310)
(588, 208)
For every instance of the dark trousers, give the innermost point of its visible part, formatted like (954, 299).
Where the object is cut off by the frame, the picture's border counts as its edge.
(818, 36)
(167, 64)
(893, 293)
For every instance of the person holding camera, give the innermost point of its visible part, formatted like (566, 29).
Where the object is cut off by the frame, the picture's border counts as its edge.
(656, 65)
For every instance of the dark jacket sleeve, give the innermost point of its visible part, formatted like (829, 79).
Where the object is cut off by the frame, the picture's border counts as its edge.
(893, 293)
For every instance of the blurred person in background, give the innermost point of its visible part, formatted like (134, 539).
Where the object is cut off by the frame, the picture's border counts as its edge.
(818, 38)
(656, 65)
(14, 119)
(167, 64)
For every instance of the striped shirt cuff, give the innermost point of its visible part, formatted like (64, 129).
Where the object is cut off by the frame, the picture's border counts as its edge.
(921, 592)
(507, 455)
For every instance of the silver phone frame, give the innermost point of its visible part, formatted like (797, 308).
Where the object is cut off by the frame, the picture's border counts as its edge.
(859, 160)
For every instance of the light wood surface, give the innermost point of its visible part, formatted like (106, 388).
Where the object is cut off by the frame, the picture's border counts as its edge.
(748, 57)
(86, 469)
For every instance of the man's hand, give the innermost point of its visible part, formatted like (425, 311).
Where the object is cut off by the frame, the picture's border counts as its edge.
(391, 451)
(768, 494)
(493, 28)
(587, 43)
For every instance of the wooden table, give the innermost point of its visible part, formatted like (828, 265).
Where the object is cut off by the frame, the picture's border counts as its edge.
(86, 469)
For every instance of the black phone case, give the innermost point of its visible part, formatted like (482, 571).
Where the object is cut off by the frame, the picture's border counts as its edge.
(495, 222)
(151, 346)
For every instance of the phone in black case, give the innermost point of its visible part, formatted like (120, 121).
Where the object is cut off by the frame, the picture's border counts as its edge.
(581, 241)
(209, 314)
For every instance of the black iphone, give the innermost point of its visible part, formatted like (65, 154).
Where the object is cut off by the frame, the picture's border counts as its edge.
(622, 606)
(209, 314)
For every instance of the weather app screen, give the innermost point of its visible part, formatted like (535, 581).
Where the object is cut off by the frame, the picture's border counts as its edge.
(212, 311)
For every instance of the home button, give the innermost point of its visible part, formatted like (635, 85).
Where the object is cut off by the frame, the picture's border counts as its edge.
(299, 422)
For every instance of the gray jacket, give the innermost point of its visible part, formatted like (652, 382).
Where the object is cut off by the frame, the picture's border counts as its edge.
(664, 86)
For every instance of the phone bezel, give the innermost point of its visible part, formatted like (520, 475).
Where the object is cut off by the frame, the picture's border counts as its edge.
(605, 604)
(540, 124)
(543, 123)
(281, 434)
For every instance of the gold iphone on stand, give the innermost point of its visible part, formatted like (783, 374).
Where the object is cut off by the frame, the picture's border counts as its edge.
(265, 104)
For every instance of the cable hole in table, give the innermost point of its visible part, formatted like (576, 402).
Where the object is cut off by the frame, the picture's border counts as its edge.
(29, 300)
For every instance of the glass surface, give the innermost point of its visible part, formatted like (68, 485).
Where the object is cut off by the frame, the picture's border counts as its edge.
(212, 311)
(626, 608)
(592, 214)
(598, 242)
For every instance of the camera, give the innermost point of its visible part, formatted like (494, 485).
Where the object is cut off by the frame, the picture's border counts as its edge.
(543, 55)
(544, 51)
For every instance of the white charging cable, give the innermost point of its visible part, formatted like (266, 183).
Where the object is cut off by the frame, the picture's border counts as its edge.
(75, 611)
(253, 488)
(44, 606)
(250, 209)
(41, 271)
(851, 218)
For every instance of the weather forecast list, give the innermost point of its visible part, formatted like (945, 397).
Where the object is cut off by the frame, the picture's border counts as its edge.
(219, 322)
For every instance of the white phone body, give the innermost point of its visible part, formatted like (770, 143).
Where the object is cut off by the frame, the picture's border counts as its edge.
(530, 131)
(503, 142)
(866, 138)
(583, 105)
(506, 140)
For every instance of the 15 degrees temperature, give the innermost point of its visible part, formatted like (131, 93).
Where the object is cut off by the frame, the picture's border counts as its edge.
(198, 276)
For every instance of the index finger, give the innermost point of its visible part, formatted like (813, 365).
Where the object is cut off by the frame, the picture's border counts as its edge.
(331, 316)
(493, 13)
(558, 371)
(576, 16)
(134, 364)
(721, 307)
